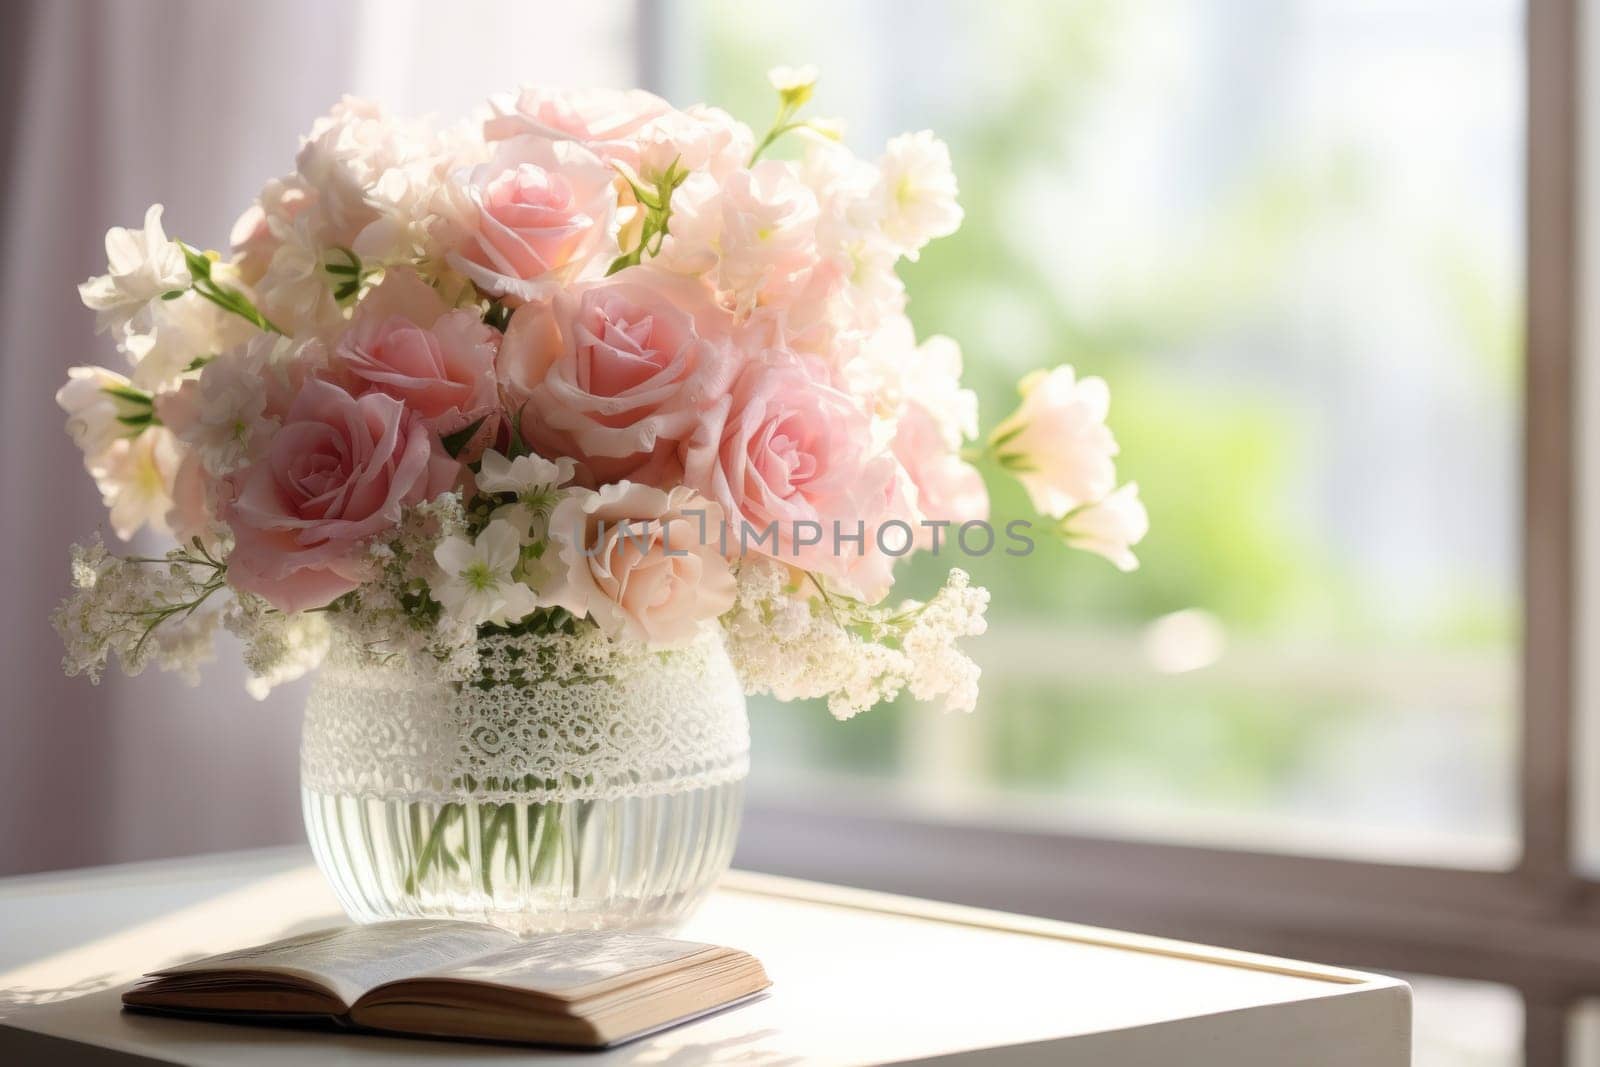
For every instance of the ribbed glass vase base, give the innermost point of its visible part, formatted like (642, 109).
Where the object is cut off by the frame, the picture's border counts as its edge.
(634, 862)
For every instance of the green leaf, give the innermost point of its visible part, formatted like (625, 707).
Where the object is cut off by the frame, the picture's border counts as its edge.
(1000, 441)
(519, 447)
(455, 442)
(198, 262)
(129, 393)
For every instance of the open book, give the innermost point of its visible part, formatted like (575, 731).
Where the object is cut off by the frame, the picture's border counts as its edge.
(458, 979)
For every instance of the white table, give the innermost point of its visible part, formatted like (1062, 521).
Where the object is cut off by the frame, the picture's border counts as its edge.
(858, 978)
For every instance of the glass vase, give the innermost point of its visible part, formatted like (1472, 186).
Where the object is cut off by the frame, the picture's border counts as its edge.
(573, 783)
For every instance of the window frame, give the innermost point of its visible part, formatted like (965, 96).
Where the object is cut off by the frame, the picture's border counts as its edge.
(1534, 926)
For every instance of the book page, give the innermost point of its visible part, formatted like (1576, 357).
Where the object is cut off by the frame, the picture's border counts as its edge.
(569, 966)
(349, 960)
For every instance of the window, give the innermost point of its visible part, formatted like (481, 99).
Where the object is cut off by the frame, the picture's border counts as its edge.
(1322, 250)
(1290, 237)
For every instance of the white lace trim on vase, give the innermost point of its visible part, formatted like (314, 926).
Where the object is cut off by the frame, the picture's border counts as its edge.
(553, 718)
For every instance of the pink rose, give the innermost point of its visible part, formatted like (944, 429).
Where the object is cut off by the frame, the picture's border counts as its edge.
(785, 451)
(405, 342)
(532, 218)
(618, 375)
(335, 475)
(642, 562)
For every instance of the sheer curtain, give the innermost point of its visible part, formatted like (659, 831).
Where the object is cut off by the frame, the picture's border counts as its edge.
(113, 106)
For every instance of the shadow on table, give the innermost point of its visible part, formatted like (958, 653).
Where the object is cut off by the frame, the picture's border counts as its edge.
(18, 998)
(731, 1050)
(73, 1018)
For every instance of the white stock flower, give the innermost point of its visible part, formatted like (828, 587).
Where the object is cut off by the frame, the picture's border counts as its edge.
(793, 79)
(891, 370)
(1110, 527)
(222, 413)
(179, 332)
(136, 477)
(849, 230)
(95, 410)
(294, 291)
(480, 583)
(1057, 443)
(918, 190)
(342, 159)
(934, 383)
(143, 264)
(536, 481)
(758, 229)
(699, 138)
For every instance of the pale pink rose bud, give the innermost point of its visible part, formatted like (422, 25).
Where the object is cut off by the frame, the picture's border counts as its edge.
(643, 563)
(535, 217)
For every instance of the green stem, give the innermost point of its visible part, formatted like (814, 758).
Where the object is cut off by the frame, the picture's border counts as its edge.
(497, 821)
(430, 848)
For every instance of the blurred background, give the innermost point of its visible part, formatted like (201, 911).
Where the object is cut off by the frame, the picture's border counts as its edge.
(1290, 233)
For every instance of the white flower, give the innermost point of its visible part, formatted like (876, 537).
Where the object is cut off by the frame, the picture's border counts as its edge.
(699, 138)
(222, 414)
(1057, 443)
(278, 648)
(136, 478)
(891, 370)
(143, 264)
(795, 648)
(788, 79)
(1110, 527)
(142, 612)
(97, 401)
(935, 384)
(690, 246)
(831, 127)
(758, 229)
(480, 583)
(794, 84)
(849, 231)
(294, 292)
(918, 190)
(536, 481)
(180, 331)
(347, 152)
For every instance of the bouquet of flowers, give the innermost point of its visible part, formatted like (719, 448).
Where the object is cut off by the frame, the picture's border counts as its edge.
(586, 362)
